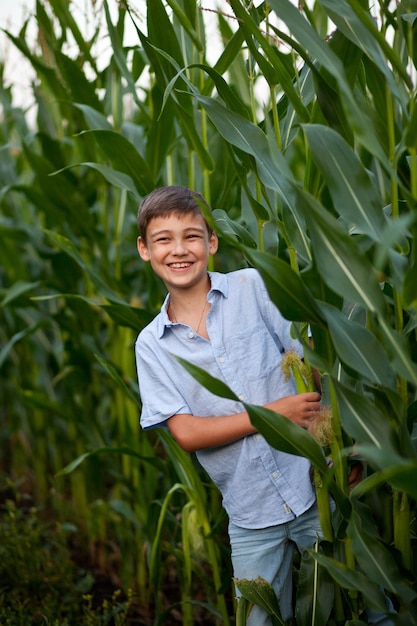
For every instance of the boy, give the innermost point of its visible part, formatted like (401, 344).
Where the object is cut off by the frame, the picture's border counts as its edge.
(227, 325)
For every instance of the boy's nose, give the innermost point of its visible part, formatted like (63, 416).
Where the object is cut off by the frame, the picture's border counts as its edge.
(180, 248)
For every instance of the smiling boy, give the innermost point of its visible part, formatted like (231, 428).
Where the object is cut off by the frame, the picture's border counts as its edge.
(227, 325)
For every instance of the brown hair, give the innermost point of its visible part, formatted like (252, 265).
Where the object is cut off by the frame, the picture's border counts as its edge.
(173, 199)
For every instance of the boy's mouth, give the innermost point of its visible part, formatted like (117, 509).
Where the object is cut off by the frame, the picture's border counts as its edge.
(179, 266)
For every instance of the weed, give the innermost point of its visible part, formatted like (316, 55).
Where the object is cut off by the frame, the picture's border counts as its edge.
(39, 582)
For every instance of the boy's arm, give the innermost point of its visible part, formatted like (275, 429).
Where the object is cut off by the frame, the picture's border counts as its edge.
(194, 432)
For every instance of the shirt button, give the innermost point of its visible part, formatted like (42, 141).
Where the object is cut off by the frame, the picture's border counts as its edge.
(222, 359)
(241, 397)
(258, 436)
(191, 334)
(274, 474)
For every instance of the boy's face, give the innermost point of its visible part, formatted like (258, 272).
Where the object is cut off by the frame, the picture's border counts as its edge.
(178, 248)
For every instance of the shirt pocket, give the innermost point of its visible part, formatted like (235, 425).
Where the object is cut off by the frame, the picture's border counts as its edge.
(256, 352)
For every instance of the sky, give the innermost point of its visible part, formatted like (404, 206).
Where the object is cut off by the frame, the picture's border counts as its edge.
(12, 16)
(12, 11)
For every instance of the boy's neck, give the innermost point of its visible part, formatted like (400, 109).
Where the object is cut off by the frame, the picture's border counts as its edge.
(190, 307)
(187, 300)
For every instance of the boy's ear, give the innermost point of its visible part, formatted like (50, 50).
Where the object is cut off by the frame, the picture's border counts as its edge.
(143, 250)
(214, 243)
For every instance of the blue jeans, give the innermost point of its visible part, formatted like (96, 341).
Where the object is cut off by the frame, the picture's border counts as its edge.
(268, 552)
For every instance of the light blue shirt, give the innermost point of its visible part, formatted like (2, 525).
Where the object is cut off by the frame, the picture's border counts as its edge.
(260, 486)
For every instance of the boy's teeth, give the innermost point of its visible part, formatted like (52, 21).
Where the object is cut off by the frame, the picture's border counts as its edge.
(179, 265)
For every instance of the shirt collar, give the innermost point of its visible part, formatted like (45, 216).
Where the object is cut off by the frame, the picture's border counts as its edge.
(218, 283)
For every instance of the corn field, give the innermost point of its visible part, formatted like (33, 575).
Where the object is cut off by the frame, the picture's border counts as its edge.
(301, 132)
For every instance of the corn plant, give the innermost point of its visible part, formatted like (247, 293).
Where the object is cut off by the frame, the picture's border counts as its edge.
(314, 183)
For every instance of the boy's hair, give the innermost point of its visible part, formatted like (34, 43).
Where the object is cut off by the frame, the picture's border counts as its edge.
(173, 199)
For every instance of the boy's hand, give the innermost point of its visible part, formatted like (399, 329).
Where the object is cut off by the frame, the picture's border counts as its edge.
(300, 408)
(356, 471)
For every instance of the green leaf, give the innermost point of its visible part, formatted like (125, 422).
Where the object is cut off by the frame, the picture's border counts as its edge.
(182, 464)
(294, 227)
(358, 348)
(42, 70)
(393, 247)
(128, 316)
(314, 592)
(285, 288)
(115, 178)
(392, 469)
(164, 51)
(231, 229)
(284, 435)
(68, 469)
(407, 13)
(261, 593)
(68, 246)
(124, 510)
(340, 261)
(40, 400)
(364, 421)
(361, 123)
(218, 387)
(374, 558)
(19, 288)
(162, 133)
(186, 24)
(358, 25)
(228, 95)
(124, 157)
(409, 285)
(328, 93)
(352, 579)
(81, 89)
(279, 431)
(119, 56)
(186, 114)
(5, 351)
(248, 137)
(67, 21)
(272, 67)
(61, 193)
(114, 374)
(161, 31)
(122, 314)
(231, 61)
(354, 196)
(94, 119)
(400, 354)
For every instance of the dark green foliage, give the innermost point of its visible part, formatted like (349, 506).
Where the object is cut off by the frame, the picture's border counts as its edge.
(39, 580)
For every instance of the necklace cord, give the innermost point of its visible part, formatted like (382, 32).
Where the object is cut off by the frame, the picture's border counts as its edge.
(171, 310)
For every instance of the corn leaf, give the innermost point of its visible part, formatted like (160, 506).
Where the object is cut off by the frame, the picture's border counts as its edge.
(284, 435)
(354, 195)
(364, 420)
(260, 592)
(340, 261)
(352, 579)
(285, 288)
(374, 557)
(359, 348)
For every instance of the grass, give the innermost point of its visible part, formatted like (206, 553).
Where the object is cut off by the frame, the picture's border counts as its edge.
(50, 573)
(40, 580)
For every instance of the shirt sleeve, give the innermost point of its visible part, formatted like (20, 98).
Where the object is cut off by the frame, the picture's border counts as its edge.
(160, 397)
